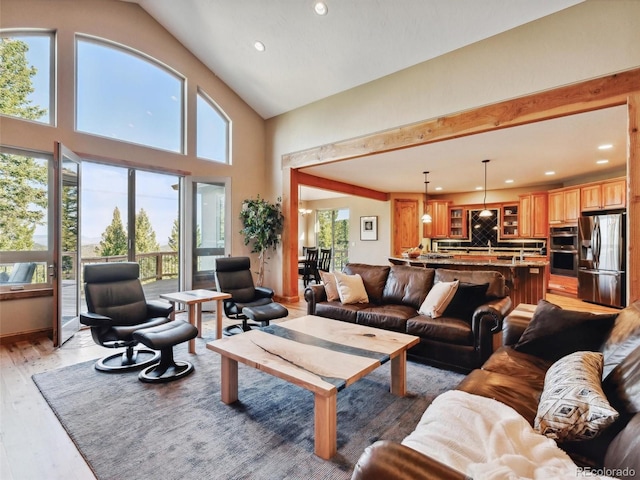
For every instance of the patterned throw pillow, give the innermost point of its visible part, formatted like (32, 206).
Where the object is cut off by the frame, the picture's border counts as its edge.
(572, 405)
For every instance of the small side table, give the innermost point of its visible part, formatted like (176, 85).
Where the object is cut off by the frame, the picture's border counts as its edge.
(194, 300)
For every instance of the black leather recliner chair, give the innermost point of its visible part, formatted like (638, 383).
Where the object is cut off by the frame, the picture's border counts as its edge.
(117, 308)
(247, 302)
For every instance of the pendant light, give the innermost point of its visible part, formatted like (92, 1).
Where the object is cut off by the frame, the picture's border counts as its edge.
(426, 218)
(485, 212)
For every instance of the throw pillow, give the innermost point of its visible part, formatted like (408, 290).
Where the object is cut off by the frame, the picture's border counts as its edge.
(572, 404)
(330, 287)
(351, 288)
(554, 333)
(467, 298)
(438, 298)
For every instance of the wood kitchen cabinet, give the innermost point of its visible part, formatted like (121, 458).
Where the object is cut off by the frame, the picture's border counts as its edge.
(533, 215)
(458, 222)
(607, 195)
(564, 206)
(439, 226)
(510, 220)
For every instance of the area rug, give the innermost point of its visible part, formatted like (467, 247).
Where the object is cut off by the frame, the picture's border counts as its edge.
(181, 430)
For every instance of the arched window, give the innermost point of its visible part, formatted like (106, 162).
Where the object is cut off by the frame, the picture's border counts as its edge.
(124, 95)
(212, 130)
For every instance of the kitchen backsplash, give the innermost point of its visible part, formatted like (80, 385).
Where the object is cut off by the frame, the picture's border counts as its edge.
(485, 230)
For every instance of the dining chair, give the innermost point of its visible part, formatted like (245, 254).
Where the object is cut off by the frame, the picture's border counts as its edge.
(324, 260)
(309, 267)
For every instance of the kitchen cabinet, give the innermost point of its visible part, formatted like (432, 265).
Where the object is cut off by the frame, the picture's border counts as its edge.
(439, 226)
(509, 220)
(607, 195)
(458, 222)
(533, 215)
(564, 206)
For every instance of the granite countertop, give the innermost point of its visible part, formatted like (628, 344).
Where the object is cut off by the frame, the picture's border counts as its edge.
(527, 262)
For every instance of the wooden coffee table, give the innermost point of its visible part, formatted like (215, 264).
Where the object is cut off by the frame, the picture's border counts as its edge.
(318, 354)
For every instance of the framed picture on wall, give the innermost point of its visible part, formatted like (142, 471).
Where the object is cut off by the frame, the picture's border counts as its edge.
(368, 228)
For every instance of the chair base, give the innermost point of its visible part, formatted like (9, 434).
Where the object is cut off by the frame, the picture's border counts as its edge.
(127, 361)
(239, 328)
(163, 374)
(164, 337)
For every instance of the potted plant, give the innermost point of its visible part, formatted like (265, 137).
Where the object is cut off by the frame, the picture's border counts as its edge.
(261, 226)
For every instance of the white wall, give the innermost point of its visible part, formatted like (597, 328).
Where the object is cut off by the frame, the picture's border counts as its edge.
(588, 40)
(128, 24)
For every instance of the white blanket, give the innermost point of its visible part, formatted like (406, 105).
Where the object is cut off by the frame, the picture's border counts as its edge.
(486, 439)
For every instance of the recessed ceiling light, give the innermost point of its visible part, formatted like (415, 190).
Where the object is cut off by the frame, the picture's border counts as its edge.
(321, 8)
(478, 188)
(508, 181)
(550, 172)
(438, 188)
(259, 46)
(602, 162)
(606, 146)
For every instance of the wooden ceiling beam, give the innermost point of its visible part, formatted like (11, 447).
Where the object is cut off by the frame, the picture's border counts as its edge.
(582, 97)
(341, 187)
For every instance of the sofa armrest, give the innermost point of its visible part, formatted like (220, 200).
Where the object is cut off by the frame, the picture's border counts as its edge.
(386, 460)
(314, 294)
(513, 327)
(486, 322)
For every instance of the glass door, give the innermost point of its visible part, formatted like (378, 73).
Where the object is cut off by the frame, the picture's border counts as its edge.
(66, 267)
(209, 225)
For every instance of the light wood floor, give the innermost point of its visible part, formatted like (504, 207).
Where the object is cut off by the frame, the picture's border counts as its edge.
(33, 444)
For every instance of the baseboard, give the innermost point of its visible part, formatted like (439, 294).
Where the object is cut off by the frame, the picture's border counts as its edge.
(26, 336)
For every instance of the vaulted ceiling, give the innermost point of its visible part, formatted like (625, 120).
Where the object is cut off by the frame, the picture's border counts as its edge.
(308, 57)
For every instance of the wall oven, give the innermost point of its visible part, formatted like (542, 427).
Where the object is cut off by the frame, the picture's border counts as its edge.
(564, 262)
(563, 247)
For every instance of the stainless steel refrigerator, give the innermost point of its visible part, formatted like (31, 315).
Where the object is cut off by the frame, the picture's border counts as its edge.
(602, 259)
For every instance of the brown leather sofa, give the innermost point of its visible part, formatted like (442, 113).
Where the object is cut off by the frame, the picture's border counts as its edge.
(517, 379)
(461, 339)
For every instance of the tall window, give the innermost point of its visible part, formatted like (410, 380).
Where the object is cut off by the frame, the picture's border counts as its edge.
(128, 97)
(24, 217)
(26, 77)
(212, 131)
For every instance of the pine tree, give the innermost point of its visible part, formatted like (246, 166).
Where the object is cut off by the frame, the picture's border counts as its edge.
(145, 235)
(23, 180)
(15, 80)
(114, 238)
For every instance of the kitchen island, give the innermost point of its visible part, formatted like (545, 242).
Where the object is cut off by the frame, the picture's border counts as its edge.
(527, 278)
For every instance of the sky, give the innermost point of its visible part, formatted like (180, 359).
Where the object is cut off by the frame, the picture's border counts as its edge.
(123, 98)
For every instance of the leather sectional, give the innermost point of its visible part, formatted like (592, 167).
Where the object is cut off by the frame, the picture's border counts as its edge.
(461, 339)
(515, 377)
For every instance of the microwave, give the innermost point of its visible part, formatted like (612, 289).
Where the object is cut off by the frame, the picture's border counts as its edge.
(563, 238)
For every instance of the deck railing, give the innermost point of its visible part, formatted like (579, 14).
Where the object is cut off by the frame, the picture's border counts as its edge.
(154, 266)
